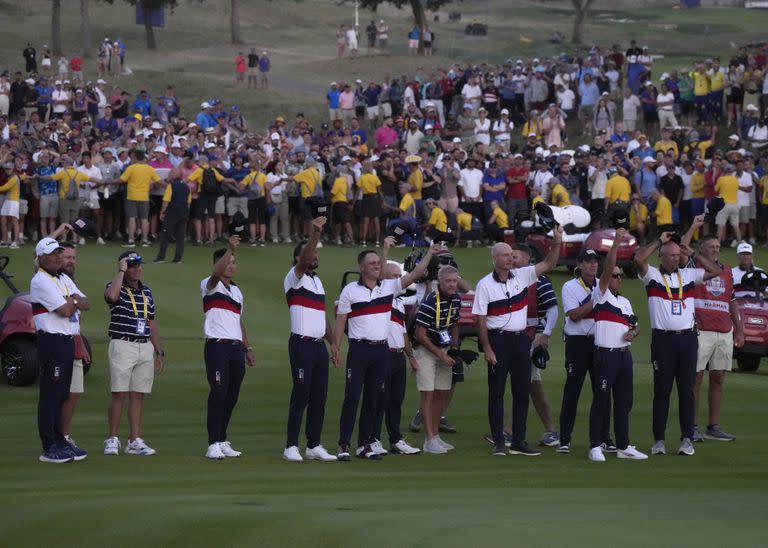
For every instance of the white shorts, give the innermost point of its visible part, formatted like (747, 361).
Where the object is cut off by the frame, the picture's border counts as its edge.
(219, 207)
(131, 366)
(10, 208)
(432, 373)
(728, 215)
(373, 112)
(413, 44)
(77, 386)
(715, 351)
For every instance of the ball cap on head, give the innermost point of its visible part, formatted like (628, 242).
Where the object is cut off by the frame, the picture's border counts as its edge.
(743, 247)
(586, 255)
(46, 246)
(620, 219)
(237, 224)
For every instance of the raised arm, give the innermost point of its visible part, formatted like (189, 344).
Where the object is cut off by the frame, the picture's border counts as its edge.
(550, 261)
(112, 292)
(221, 265)
(642, 254)
(698, 221)
(304, 261)
(421, 268)
(610, 259)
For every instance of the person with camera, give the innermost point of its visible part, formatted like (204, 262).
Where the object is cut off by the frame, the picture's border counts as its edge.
(437, 332)
(226, 347)
(365, 307)
(579, 332)
(501, 310)
(56, 305)
(615, 328)
(307, 352)
(674, 341)
(720, 329)
(134, 352)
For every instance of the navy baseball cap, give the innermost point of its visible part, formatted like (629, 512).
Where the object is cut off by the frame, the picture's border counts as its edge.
(587, 255)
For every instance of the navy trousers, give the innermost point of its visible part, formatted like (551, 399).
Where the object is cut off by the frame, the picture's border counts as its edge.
(309, 375)
(56, 354)
(392, 397)
(225, 369)
(579, 354)
(613, 375)
(366, 367)
(513, 359)
(673, 357)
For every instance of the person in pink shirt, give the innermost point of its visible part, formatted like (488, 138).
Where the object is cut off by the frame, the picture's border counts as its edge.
(553, 127)
(385, 135)
(240, 69)
(347, 105)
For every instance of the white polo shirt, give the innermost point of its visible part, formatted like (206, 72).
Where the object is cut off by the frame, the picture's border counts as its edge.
(222, 308)
(306, 304)
(576, 293)
(48, 293)
(612, 314)
(505, 304)
(745, 198)
(540, 181)
(396, 334)
(739, 290)
(471, 182)
(368, 310)
(671, 308)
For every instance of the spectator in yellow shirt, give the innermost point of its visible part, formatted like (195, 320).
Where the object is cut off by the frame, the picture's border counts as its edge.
(370, 208)
(415, 178)
(256, 186)
(666, 142)
(617, 189)
(207, 198)
(727, 187)
(340, 205)
(701, 89)
(558, 195)
(498, 222)
(10, 209)
(464, 229)
(663, 212)
(438, 222)
(311, 187)
(638, 217)
(716, 91)
(69, 179)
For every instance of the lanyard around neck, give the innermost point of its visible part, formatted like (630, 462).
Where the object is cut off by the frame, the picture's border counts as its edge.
(64, 290)
(437, 310)
(679, 289)
(133, 302)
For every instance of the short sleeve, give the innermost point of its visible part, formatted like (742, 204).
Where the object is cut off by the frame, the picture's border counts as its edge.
(292, 281)
(395, 285)
(480, 304)
(697, 275)
(126, 174)
(168, 193)
(650, 274)
(345, 302)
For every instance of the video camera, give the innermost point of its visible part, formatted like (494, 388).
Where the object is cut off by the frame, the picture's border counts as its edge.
(442, 258)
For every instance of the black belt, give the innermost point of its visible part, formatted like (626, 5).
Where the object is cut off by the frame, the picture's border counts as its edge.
(396, 350)
(233, 342)
(306, 339)
(131, 339)
(368, 342)
(619, 349)
(673, 332)
(41, 332)
(579, 336)
(505, 332)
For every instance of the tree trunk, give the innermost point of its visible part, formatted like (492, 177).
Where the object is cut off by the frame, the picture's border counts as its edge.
(581, 7)
(56, 28)
(85, 29)
(149, 29)
(234, 22)
(419, 18)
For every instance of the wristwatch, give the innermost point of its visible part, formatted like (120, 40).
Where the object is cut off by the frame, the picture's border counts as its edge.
(74, 302)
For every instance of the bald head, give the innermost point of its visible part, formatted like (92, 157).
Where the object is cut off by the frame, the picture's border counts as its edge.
(502, 256)
(392, 271)
(670, 256)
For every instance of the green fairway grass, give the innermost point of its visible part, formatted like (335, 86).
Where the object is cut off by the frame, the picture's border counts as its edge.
(465, 498)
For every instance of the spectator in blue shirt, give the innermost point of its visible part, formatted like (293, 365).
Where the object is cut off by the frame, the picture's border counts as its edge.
(204, 119)
(264, 65)
(107, 125)
(494, 184)
(143, 104)
(590, 94)
(332, 97)
(646, 180)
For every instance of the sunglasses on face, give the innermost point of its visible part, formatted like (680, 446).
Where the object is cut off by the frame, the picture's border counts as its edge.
(617, 276)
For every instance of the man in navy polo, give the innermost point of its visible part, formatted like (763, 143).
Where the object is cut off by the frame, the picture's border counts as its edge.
(365, 307)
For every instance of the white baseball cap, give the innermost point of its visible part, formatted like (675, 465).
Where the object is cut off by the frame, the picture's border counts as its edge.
(161, 149)
(505, 111)
(101, 81)
(456, 140)
(734, 137)
(205, 104)
(275, 136)
(46, 246)
(743, 247)
(752, 107)
(649, 160)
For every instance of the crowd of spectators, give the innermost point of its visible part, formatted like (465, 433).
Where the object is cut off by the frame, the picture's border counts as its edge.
(456, 154)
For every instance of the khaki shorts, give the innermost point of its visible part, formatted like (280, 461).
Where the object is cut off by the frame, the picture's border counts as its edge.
(219, 207)
(77, 386)
(432, 374)
(743, 214)
(49, 206)
(715, 351)
(131, 366)
(728, 215)
(237, 203)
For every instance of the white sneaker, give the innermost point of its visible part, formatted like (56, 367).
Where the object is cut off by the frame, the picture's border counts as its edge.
(658, 448)
(13, 245)
(404, 449)
(214, 452)
(226, 448)
(81, 241)
(101, 241)
(433, 446)
(318, 452)
(319, 245)
(686, 448)
(631, 453)
(378, 448)
(112, 446)
(138, 447)
(447, 446)
(596, 454)
(291, 454)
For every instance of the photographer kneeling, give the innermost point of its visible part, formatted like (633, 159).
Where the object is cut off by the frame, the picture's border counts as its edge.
(437, 331)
